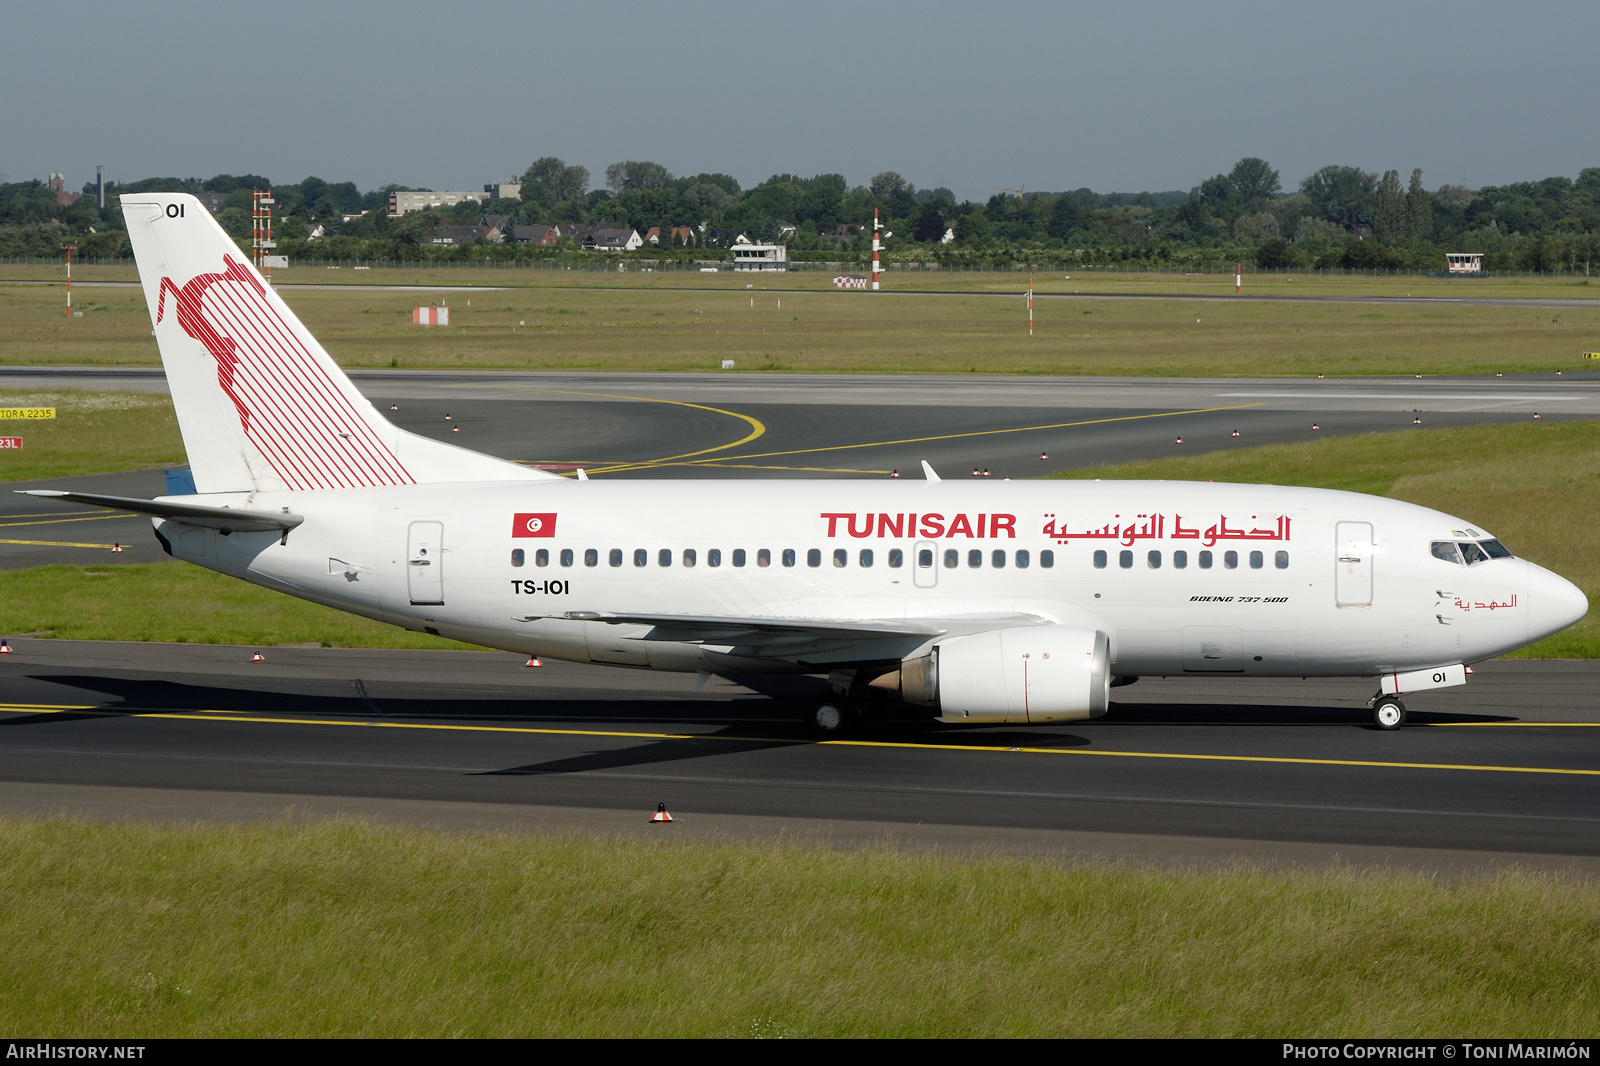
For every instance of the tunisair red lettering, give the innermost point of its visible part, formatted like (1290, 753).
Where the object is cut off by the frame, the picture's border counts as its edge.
(931, 526)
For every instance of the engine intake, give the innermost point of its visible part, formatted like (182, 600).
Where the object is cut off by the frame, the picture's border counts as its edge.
(1026, 674)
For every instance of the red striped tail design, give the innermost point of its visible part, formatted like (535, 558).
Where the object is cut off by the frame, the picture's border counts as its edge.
(303, 423)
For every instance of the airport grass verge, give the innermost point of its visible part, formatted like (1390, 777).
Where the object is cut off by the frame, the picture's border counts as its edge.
(1535, 486)
(92, 433)
(634, 322)
(176, 602)
(305, 928)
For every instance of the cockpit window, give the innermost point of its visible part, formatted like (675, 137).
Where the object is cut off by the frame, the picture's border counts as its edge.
(1469, 553)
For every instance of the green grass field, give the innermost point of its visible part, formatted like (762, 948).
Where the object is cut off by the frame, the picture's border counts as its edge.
(92, 433)
(174, 602)
(316, 929)
(679, 322)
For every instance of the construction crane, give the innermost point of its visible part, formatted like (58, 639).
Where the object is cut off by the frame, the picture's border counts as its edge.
(1000, 188)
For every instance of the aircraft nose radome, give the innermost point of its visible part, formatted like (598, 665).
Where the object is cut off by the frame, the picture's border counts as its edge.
(1554, 603)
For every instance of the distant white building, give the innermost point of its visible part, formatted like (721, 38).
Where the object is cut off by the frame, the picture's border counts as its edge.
(401, 203)
(504, 190)
(1464, 262)
(760, 257)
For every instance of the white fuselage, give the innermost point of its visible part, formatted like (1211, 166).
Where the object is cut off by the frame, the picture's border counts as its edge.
(1219, 578)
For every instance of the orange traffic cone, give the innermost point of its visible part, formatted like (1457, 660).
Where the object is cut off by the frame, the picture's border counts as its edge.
(1042, 455)
(1178, 440)
(533, 660)
(1235, 433)
(5, 647)
(116, 548)
(258, 658)
(661, 815)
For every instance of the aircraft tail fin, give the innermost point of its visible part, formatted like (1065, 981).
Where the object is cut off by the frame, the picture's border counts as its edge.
(261, 404)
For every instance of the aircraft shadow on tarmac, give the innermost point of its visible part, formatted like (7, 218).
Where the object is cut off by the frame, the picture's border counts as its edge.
(740, 716)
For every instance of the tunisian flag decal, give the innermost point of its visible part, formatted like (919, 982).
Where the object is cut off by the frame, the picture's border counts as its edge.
(542, 524)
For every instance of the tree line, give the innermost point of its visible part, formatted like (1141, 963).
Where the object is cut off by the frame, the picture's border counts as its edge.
(1339, 217)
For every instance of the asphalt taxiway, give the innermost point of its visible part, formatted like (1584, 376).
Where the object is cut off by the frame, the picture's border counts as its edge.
(1501, 772)
(1195, 770)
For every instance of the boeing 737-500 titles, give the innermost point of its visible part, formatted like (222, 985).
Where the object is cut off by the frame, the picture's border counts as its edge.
(1012, 601)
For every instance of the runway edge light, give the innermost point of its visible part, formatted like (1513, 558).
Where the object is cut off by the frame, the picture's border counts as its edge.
(661, 817)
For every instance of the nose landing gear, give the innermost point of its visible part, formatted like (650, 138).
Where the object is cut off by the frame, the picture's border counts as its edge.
(1388, 712)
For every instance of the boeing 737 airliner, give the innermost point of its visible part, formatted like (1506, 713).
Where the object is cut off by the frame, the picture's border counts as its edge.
(1014, 601)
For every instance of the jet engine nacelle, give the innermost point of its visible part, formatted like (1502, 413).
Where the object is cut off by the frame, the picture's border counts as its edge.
(1026, 674)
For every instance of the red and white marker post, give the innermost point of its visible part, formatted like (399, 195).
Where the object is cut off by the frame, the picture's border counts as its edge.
(875, 247)
(1030, 303)
(1238, 277)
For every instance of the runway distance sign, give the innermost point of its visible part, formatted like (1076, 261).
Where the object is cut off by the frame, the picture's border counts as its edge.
(15, 413)
(10, 442)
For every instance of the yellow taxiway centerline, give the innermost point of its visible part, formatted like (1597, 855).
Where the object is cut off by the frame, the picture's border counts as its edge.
(58, 544)
(217, 716)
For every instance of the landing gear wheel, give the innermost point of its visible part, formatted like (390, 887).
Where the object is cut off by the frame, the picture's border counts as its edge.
(1388, 713)
(831, 718)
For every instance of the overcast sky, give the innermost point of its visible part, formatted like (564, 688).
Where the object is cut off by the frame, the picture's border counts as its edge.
(1126, 96)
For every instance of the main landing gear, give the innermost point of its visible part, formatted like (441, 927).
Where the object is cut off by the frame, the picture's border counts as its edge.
(838, 713)
(830, 718)
(1388, 712)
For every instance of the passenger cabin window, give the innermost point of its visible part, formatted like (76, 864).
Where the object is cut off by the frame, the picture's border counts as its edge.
(738, 557)
(764, 557)
(1230, 560)
(517, 557)
(975, 558)
(1281, 560)
(688, 557)
(641, 557)
(541, 557)
(1153, 560)
(1047, 559)
(664, 556)
(1022, 558)
(1125, 560)
(997, 558)
(713, 556)
(814, 557)
(1100, 558)
(591, 557)
(952, 559)
(840, 557)
(1180, 560)
(1256, 560)
(615, 558)
(788, 557)
(865, 558)
(566, 556)
(1205, 560)
(925, 558)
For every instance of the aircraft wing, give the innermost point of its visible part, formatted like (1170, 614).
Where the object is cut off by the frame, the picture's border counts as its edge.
(746, 630)
(841, 639)
(227, 519)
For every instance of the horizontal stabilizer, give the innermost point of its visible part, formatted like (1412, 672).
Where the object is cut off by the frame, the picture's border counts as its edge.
(227, 519)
